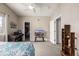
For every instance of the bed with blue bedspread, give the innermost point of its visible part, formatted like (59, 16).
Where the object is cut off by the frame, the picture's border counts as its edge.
(16, 49)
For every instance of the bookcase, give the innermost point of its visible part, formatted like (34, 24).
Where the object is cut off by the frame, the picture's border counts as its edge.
(68, 41)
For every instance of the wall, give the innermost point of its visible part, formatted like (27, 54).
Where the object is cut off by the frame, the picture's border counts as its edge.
(11, 18)
(36, 21)
(70, 15)
(52, 32)
(53, 38)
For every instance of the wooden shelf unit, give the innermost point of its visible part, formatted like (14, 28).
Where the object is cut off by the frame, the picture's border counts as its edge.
(68, 41)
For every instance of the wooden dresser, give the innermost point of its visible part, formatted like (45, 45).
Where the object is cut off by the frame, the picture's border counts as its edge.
(68, 41)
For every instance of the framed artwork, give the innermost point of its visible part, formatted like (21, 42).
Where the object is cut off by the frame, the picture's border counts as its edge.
(13, 25)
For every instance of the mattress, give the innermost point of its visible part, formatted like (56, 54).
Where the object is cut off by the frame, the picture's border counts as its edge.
(16, 49)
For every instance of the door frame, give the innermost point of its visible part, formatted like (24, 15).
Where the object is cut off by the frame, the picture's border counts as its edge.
(29, 29)
(55, 32)
(24, 30)
(58, 28)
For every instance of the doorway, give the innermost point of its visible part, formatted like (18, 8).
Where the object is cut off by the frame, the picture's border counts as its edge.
(27, 31)
(58, 30)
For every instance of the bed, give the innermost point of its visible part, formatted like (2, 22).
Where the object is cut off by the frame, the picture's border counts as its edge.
(16, 49)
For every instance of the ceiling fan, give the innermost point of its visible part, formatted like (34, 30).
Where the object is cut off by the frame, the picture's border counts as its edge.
(32, 6)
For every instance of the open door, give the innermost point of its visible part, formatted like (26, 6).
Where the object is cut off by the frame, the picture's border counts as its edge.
(58, 30)
(27, 31)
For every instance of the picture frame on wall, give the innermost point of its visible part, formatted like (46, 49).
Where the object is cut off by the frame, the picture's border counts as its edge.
(13, 25)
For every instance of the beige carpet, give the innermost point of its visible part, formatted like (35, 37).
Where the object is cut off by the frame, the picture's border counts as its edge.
(46, 49)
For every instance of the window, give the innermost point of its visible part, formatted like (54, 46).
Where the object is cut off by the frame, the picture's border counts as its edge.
(2, 23)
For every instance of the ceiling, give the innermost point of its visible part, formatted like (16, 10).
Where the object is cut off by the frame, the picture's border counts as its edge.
(38, 9)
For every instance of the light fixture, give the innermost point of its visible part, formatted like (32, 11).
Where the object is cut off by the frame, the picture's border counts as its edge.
(31, 7)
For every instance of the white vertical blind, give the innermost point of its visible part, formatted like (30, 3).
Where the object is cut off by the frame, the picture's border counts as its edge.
(2, 23)
(3, 26)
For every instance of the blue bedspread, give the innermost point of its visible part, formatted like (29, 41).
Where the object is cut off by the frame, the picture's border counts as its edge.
(39, 30)
(16, 49)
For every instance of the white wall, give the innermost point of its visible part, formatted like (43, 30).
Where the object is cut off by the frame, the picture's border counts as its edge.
(11, 18)
(69, 15)
(43, 22)
(52, 36)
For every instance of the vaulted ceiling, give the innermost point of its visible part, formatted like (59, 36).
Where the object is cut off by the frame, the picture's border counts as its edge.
(33, 9)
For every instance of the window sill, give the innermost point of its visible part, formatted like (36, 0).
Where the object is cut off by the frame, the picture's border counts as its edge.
(2, 34)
